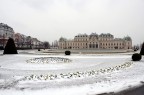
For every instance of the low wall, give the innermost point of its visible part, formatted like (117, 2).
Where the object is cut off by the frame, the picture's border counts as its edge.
(87, 51)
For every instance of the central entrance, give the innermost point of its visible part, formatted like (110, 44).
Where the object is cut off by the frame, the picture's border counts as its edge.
(93, 45)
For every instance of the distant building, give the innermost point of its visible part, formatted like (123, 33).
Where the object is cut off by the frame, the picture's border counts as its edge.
(21, 41)
(95, 41)
(36, 43)
(5, 32)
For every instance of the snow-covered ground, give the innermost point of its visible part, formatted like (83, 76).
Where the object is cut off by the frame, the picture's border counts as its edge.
(88, 74)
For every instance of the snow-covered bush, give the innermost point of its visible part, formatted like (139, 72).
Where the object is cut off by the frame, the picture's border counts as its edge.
(67, 52)
(136, 57)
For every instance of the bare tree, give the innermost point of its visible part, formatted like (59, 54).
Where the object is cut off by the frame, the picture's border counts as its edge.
(46, 45)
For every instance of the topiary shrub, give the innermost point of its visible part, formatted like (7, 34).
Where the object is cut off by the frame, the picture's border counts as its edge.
(136, 49)
(67, 52)
(1, 48)
(136, 57)
(142, 50)
(10, 47)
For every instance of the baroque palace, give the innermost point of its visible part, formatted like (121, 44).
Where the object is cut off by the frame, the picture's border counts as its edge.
(95, 41)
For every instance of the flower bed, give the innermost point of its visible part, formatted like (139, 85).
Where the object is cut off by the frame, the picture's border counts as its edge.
(79, 74)
(43, 60)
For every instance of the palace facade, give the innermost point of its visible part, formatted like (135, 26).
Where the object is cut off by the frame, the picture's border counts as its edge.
(95, 41)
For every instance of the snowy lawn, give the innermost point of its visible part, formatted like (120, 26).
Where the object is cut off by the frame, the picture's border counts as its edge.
(84, 75)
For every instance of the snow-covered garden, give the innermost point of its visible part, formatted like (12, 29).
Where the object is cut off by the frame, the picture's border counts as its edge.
(77, 74)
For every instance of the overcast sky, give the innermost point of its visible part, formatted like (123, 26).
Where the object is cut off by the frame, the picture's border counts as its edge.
(48, 20)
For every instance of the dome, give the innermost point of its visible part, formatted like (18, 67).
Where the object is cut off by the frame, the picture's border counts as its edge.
(62, 39)
(127, 38)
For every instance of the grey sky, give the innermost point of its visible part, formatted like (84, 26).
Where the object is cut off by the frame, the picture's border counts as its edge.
(50, 19)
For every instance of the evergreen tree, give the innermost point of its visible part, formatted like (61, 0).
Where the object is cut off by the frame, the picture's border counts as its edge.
(10, 47)
(142, 50)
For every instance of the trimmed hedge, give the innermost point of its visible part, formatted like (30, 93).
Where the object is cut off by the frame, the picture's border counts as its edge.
(67, 52)
(136, 57)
